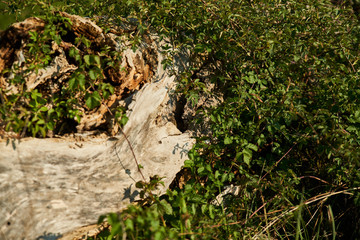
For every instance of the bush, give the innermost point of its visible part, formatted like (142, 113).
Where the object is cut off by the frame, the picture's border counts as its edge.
(287, 131)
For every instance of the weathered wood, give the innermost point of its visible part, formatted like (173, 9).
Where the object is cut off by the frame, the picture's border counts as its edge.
(126, 75)
(10, 39)
(51, 186)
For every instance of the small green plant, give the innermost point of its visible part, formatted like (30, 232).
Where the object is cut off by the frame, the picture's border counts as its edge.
(43, 111)
(28, 110)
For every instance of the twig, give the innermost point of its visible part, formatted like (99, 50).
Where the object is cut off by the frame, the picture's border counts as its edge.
(275, 165)
(302, 177)
(133, 153)
(131, 148)
(257, 210)
(117, 154)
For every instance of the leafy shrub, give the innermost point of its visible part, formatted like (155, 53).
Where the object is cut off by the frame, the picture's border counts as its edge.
(51, 108)
(287, 131)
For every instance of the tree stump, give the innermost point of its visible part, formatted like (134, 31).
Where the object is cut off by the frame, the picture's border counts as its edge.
(54, 185)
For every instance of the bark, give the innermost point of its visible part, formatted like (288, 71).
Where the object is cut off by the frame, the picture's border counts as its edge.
(51, 186)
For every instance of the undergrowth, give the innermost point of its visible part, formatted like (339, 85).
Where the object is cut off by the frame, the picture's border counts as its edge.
(286, 132)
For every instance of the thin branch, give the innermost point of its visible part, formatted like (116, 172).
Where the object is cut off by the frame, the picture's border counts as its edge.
(275, 165)
(133, 153)
(127, 140)
(302, 177)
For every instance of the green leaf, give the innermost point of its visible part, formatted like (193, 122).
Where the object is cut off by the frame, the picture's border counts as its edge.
(97, 60)
(33, 35)
(129, 224)
(72, 83)
(50, 125)
(183, 207)
(247, 154)
(77, 81)
(77, 57)
(43, 131)
(188, 163)
(158, 236)
(40, 122)
(92, 74)
(87, 60)
(124, 119)
(211, 211)
(166, 206)
(224, 177)
(140, 220)
(252, 147)
(228, 140)
(72, 52)
(93, 100)
(112, 218)
(35, 94)
(43, 109)
(238, 155)
(116, 229)
(111, 89)
(81, 79)
(139, 184)
(352, 129)
(107, 89)
(204, 207)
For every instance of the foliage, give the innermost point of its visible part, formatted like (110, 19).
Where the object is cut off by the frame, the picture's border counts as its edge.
(38, 112)
(286, 132)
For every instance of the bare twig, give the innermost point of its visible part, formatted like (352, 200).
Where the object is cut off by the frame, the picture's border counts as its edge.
(302, 177)
(130, 146)
(275, 165)
(133, 153)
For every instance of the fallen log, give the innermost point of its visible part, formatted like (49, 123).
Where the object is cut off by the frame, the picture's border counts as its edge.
(53, 185)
